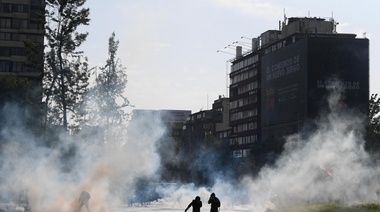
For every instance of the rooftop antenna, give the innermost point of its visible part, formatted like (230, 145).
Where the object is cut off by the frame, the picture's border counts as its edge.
(227, 71)
(285, 19)
(333, 22)
(228, 66)
(207, 101)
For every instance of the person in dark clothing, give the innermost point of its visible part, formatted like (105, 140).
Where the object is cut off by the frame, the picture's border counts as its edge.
(215, 203)
(196, 203)
(83, 200)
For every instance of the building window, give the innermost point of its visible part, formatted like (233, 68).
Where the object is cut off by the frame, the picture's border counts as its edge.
(5, 66)
(248, 87)
(6, 8)
(5, 51)
(19, 24)
(35, 24)
(246, 153)
(17, 67)
(242, 102)
(245, 127)
(36, 1)
(20, 8)
(5, 23)
(252, 125)
(237, 154)
(14, 8)
(18, 51)
(5, 36)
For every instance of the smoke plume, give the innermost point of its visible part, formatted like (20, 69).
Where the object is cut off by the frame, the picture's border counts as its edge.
(326, 164)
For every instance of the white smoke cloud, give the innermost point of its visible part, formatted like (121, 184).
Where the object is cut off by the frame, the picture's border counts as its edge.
(324, 165)
(51, 179)
(329, 164)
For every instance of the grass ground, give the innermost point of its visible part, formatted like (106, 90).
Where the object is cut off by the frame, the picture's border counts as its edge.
(333, 207)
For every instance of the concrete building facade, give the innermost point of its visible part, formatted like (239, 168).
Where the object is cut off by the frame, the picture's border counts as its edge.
(21, 22)
(285, 80)
(207, 126)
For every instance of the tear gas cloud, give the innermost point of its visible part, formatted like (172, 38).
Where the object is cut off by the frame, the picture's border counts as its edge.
(323, 165)
(106, 170)
(328, 164)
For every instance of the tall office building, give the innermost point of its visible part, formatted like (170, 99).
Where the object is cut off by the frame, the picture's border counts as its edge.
(285, 81)
(21, 21)
(21, 56)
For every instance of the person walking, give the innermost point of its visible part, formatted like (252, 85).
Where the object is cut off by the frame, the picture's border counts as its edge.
(215, 203)
(83, 200)
(196, 204)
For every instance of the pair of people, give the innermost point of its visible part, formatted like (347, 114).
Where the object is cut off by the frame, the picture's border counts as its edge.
(197, 204)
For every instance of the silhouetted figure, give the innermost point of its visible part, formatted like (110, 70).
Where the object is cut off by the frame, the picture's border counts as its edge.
(83, 200)
(196, 203)
(215, 203)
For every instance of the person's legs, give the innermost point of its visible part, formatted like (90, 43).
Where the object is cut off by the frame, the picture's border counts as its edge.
(80, 206)
(86, 204)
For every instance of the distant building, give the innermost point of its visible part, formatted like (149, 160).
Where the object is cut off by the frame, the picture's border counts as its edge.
(174, 120)
(207, 126)
(165, 126)
(22, 21)
(285, 81)
(21, 56)
(221, 107)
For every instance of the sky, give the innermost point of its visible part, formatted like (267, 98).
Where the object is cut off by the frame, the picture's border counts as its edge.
(170, 47)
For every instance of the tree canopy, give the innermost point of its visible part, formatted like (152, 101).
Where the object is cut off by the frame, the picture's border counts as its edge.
(66, 72)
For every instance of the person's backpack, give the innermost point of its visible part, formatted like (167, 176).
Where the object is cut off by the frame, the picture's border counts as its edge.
(217, 202)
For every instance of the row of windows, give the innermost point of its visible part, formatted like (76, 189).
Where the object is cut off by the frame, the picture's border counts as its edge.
(197, 116)
(241, 153)
(244, 63)
(248, 87)
(245, 127)
(223, 134)
(15, 51)
(243, 114)
(243, 76)
(14, 8)
(8, 66)
(14, 23)
(244, 101)
(21, 37)
(37, 2)
(244, 140)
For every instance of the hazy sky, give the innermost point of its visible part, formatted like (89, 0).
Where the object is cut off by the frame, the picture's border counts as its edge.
(170, 46)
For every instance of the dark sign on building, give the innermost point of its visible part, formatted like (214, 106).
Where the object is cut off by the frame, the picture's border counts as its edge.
(283, 84)
(298, 79)
(341, 65)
